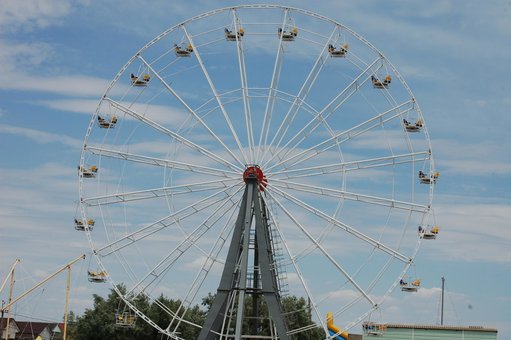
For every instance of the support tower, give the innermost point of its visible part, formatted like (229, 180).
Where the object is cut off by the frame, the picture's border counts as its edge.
(250, 274)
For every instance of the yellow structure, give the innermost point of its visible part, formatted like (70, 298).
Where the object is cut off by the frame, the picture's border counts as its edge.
(334, 330)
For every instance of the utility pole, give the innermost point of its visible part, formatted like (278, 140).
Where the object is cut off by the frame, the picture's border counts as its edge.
(9, 310)
(12, 302)
(68, 286)
(442, 308)
(2, 317)
(11, 276)
(81, 257)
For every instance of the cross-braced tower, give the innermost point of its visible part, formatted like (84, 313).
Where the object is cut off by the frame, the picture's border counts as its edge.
(249, 280)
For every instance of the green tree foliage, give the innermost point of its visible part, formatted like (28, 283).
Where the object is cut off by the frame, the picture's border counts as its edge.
(194, 315)
(99, 322)
(298, 315)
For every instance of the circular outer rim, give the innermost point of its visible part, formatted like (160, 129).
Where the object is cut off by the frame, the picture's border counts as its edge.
(211, 13)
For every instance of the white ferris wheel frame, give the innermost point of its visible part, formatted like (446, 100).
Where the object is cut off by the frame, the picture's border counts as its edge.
(231, 166)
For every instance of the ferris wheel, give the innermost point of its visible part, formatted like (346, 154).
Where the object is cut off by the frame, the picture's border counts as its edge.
(257, 152)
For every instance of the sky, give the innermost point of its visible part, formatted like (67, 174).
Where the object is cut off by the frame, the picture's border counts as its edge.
(57, 58)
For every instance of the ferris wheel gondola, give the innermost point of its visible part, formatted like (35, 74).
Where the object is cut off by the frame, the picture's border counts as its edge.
(410, 286)
(87, 171)
(428, 179)
(338, 52)
(412, 127)
(140, 81)
(98, 276)
(429, 232)
(107, 123)
(81, 226)
(183, 52)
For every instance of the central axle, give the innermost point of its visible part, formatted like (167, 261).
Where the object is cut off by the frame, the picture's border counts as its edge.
(254, 171)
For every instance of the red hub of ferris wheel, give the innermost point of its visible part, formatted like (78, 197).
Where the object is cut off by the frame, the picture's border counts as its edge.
(254, 171)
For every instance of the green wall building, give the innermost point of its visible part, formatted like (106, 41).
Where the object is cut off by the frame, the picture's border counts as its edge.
(374, 331)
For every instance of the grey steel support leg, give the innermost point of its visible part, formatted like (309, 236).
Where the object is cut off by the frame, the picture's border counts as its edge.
(228, 281)
(268, 278)
(235, 273)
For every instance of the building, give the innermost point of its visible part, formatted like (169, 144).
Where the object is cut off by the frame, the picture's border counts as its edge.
(13, 328)
(57, 330)
(426, 332)
(29, 330)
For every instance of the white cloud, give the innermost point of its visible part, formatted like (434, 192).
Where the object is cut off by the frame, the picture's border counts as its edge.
(196, 265)
(471, 166)
(159, 113)
(20, 56)
(420, 307)
(64, 85)
(344, 295)
(36, 224)
(45, 190)
(41, 274)
(478, 158)
(433, 9)
(468, 226)
(41, 137)
(28, 14)
(22, 64)
(87, 106)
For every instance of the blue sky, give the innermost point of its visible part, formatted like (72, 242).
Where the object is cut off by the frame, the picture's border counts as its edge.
(58, 57)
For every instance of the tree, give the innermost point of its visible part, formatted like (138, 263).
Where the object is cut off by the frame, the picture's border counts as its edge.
(99, 323)
(296, 309)
(159, 313)
(299, 315)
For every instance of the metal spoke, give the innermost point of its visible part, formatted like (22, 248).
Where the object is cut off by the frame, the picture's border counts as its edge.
(160, 162)
(164, 222)
(190, 110)
(321, 248)
(394, 253)
(215, 94)
(171, 133)
(346, 135)
(317, 190)
(379, 162)
(292, 258)
(123, 197)
(211, 258)
(270, 103)
(331, 107)
(299, 99)
(244, 90)
(188, 241)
